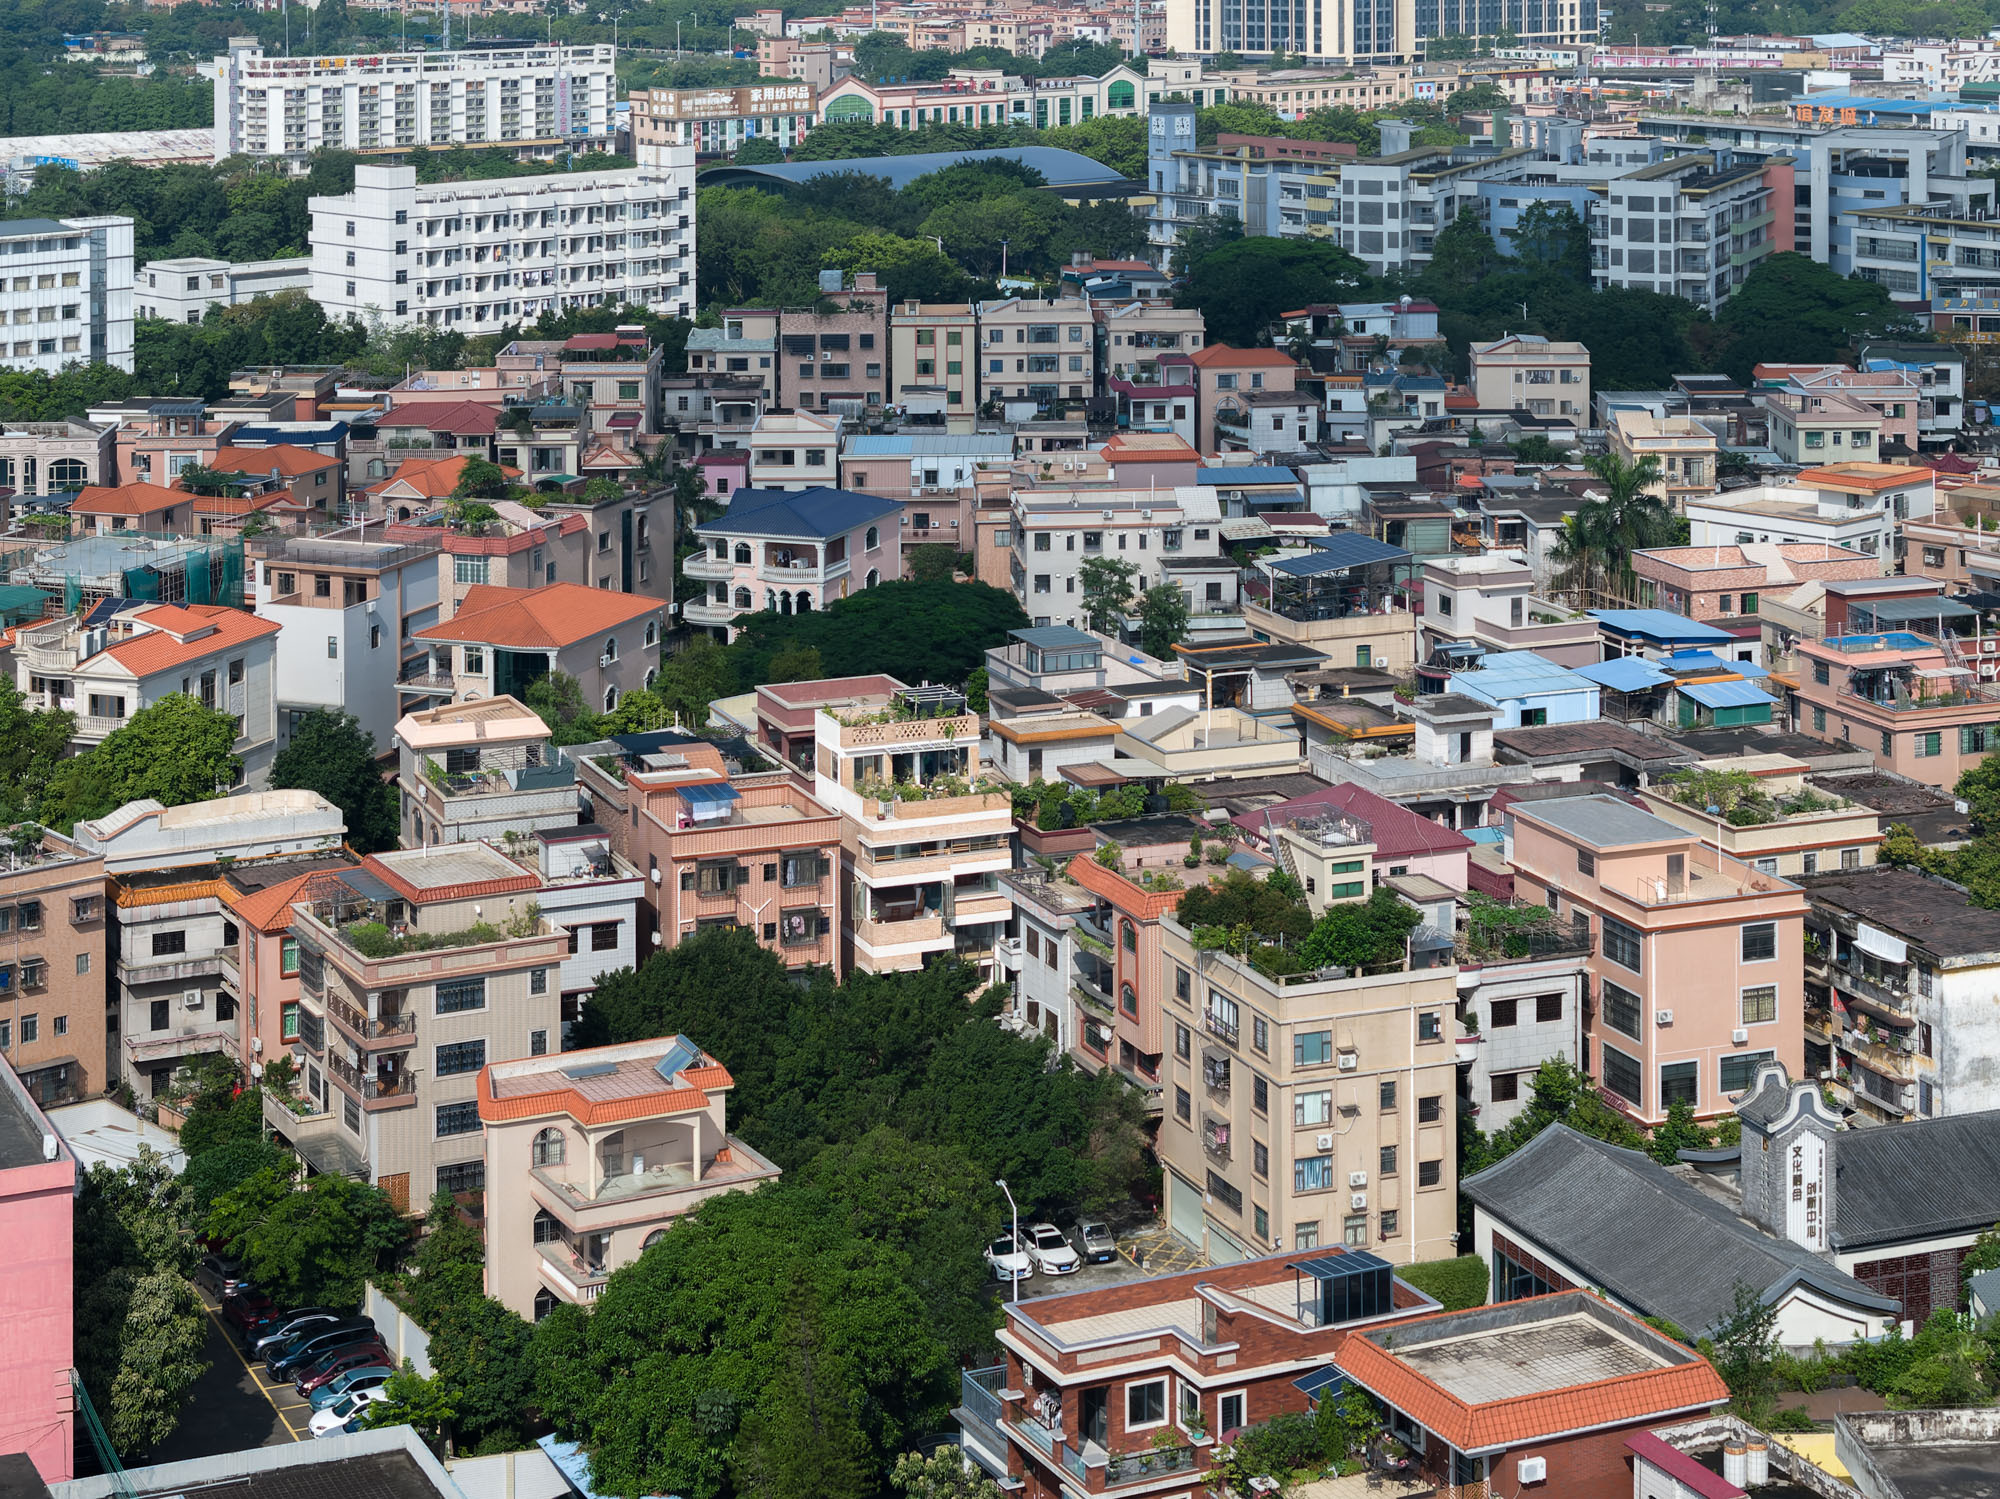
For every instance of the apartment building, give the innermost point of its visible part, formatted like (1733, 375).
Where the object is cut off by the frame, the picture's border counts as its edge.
(1527, 372)
(484, 254)
(1794, 829)
(1691, 226)
(52, 921)
(1939, 370)
(926, 468)
(743, 349)
(1897, 965)
(1312, 1110)
(1721, 582)
(1695, 965)
(66, 293)
(613, 378)
(415, 971)
(181, 290)
(717, 121)
(1908, 699)
(346, 611)
(836, 361)
(509, 94)
(106, 672)
(259, 971)
(39, 460)
(1684, 449)
(1118, 980)
(1133, 1387)
(923, 845)
(1231, 386)
(1056, 531)
(934, 358)
(1809, 426)
(1380, 32)
(1272, 187)
(1488, 599)
(480, 770)
(1039, 351)
(1393, 205)
(38, 1180)
(792, 552)
(1348, 597)
(501, 640)
(794, 450)
(156, 438)
(1039, 957)
(1859, 506)
(592, 1156)
(744, 849)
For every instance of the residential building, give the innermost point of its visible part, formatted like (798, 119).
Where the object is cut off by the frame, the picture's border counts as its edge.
(1325, 1106)
(1858, 506)
(1118, 981)
(792, 552)
(1382, 34)
(788, 713)
(1939, 370)
(134, 507)
(1724, 582)
(526, 97)
(1217, 1350)
(309, 484)
(614, 378)
(157, 438)
(591, 893)
(938, 474)
(43, 459)
(1896, 963)
(717, 121)
(1055, 531)
(794, 450)
(170, 925)
(1810, 425)
(833, 361)
(592, 1156)
(368, 1464)
(52, 922)
(68, 296)
(1522, 991)
(1392, 206)
(1521, 690)
(1229, 382)
(1034, 742)
(922, 848)
(1279, 188)
(1039, 352)
(1684, 449)
(500, 640)
(106, 672)
(481, 769)
(1343, 840)
(1527, 372)
(1042, 954)
(1906, 698)
(259, 971)
(38, 1381)
(1692, 226)
(1347, 596)
(415, 971)
(744, 348)
(934, 358)
(730, 846)
(1791, 828)
(1488, 599)
(397, 251)
(1695, 967)
(181, 290)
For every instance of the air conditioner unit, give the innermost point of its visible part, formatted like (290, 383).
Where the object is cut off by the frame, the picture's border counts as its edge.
(1349, 1061)
(1323, 1142)
(1109, 513)
(1357, 1178)
(603, 660)
(1145, 515)
(1358, 1201)
(1532, 1470)
(191, 999)
(1739, 1038)
(1663, 1017)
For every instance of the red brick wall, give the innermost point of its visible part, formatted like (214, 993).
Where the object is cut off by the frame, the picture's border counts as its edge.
(1595, 1465)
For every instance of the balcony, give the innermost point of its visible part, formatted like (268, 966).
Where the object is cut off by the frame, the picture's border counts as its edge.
(183, 1040)
(1884, 988)
(395, 1028)
(709, 613)
(708, 566)
(170, 970)
(569, 1274)
(1219, 1026)
(425, 675)
(373, 1087)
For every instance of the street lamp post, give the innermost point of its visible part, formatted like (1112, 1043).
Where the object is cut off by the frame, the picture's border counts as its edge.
(1011, 1275)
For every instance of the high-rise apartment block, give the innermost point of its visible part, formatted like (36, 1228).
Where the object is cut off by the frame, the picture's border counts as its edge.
(66, 293)
(1385, 31)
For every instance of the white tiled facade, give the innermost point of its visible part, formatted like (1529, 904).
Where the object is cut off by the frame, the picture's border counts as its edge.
(181, 291)
(481, 254)
(289, 106)
(65, 293)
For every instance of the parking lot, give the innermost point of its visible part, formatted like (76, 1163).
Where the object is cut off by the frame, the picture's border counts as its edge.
(235, 1404)
(1145, 1252)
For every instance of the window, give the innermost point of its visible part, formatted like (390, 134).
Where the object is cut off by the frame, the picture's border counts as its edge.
(1260, 1094)
(1622, 1076)
(1312, 1108)
(604, 936)
(1929, 745)
(1183, 1043)
(1621, 1011)
(1146, 1404)
(288, 1022)
(1354, 1231)
(538, 981)
(1386, 1161)
(1183, 986)
(1390, 1223)
(1312, 1048)
(166, 944)
(1760, 942)
(1430, 1173)
(457, 1118)
(1680, 1082)
(1387, 1097)
(1738, 1070)
(1505, 1012)
(83, 962)
(1431, 1109)
(1312, 1173)
(1760, 1005)
(1621, 944)
(1183, 1105)
(1822, 673)
(1548, 1007)
(1260, 1033)
(1128, 936)
(548, 1149)
(538, 1042)
(1430, 1026)
(460, 995)
(461, 1056)
(288, 957)
(1504, 1087)
(1586, 861)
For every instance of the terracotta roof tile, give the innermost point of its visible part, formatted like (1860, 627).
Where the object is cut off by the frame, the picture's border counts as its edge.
(1147, 905)
(289, 461)
(162, 648)
(270, 909)
(435, 478)
(546, 618)
(1224, 354)
(701, 1081)
(127, 499)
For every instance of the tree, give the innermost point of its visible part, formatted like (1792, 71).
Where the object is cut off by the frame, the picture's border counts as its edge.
(160, 1358)
(1361, 934)
(803, 1441)
(557, 699)
(1561, 1093)
(942, 1475)
(409, 1399)
(175, 751)
(1240, 900)
(932, 562)
(1593, 552)
(916, 632)
(695, 677)
(307, 1243)
(797, 663)
(480, 1353)
(33, 744)
(1243, 286)
(758, 151)
(480, 479)
(1463, 255)
(1983, 1255)
(1535, 448)
(449, 1267)
(1163, 619)
(1550, 237)
(1793, 309)
(332, 754)
(1107, 593)
(1979, 789)
(601, 491)
(1744, 1352)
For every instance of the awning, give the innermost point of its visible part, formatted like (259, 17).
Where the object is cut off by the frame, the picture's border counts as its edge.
(1943, 671)
(1625, 674)
(1246, 528)
(1726, 694)
(1880, 944)
(624, 419)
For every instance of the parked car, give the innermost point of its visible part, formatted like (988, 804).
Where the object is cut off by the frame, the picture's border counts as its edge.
(289, 1324)
(220, 1274)
(1053, 1254)
(336, 1417)
(367, 1377)
(1009, 1260)
(287, 1359)
(357, 1356)
(248, 1312)
(1099, 1248)
(346, 1428)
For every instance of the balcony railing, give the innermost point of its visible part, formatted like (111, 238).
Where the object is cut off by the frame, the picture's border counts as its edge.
(1122, 1468)
(1220, 1026)
(356, 1021)
(979, 1393)
(370, 1084)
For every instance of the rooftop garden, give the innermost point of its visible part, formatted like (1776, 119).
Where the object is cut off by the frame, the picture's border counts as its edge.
(1058, 804)
(937, 788)
(1494, 930)
(1268, 924)
(1740, 799)
(375, 939)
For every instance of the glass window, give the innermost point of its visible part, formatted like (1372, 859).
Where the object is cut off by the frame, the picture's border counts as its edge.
(1312, 1107)
(1621, 944)
(1760, 942)
(1145, 1404)
(1388, 1093)
(1312, 1173)
(1312, 1048)
(1386, 1161)
(1738, 1070)
(1760, 1005)
(288, 956)
(1621, 1011)
(460, 995)
(461, 1056)
(1622, 1076)
(457, 1118)
(1680, 1082)
(1260, 1095)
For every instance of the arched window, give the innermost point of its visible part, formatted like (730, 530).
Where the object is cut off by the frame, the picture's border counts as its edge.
(549, 1148)
(850, 107)
(743, 598)
(66, 474)
(805, 602)
(785, 603)
(547, 1230)
(1128, 999)
(742, 551)
(1128, 936)
(545, 1302)
(874, 538)
(610, 698)
(874, 577)
(652, 675)
(771, 600)
(611, 646)
(652, 632)
(1119, 96)
(652, 1238)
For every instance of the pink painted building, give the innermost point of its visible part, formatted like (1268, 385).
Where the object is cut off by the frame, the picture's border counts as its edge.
(1909, 699)
(1725, 582)
(37, 1191)
(1696, 965)
(722, 472)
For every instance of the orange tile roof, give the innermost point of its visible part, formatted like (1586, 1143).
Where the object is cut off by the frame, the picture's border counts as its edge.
(289, 461)
(127, 499)
(435, 478)
(1224, 354)
(1860, 475)
(163, 895)
(546, 618)
(558, 1099)
(270, 909)
(1147, 905)
(217, 504)
(163, 647)
(1157, 447)
(470, 890)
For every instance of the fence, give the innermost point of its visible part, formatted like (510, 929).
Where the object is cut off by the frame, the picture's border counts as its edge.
(405, 1340)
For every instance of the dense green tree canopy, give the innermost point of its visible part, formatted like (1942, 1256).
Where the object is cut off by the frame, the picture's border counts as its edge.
(332, 754)
(1243, 285)
(175, 751)
(915, 632)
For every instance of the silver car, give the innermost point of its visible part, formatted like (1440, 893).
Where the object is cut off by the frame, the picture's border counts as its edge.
(1099, 1248)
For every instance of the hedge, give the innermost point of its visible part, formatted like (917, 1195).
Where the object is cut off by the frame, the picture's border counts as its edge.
(1457, 1284)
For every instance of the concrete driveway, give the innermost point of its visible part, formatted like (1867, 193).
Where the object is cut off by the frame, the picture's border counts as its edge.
(235, 1404)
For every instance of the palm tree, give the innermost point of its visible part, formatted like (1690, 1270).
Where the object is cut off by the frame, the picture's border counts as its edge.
(1594, 552)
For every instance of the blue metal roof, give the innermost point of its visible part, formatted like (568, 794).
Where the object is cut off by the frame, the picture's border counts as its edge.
(574, 1465)
(1056, 638)
(816, 514)
(1624, 674)
(708, 794)
(1726, 694)
(1235, 478)
(1058, 168)
(1708, 660)
(1511, 674)
(1657, 624)
(1342, 550)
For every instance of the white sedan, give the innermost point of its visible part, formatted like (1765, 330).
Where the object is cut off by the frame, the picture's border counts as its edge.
(1053, 1254)
(1008, 1259)
(344, 1413)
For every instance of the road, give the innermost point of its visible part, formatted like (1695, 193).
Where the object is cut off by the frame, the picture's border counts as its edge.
(234, 1405)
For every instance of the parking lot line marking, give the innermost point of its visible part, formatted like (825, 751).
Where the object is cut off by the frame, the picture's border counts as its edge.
(248, 1368)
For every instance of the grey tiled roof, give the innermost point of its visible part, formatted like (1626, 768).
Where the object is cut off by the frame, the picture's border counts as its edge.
(1655, 1242)
(1904, 1182)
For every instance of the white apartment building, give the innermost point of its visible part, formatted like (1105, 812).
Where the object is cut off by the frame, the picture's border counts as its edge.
(469, 255)
(1056, 531)
(1690, 226)
(182, 290)
(1384, 31)
(507, 95)
(66, 293)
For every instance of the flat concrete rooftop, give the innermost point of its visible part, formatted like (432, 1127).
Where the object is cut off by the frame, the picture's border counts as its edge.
(1483, 1366)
